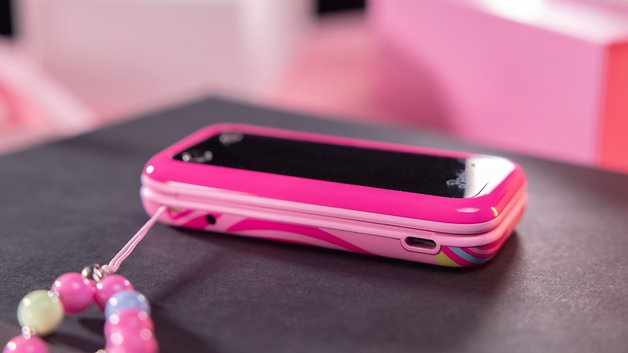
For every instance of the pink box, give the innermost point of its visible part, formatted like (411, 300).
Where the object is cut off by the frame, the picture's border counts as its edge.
(125, 58)
(33, 106)
(544, 77)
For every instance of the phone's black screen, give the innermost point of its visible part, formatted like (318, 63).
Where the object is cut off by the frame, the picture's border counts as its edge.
(417, 173)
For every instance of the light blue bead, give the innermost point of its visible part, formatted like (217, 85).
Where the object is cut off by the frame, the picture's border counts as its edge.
(128, 299)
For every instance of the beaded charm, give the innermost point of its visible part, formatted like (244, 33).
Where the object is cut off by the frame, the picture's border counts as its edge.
(128, 299)
(128, 326)
(25, 344)
(40, 311)
(76, 292)
(109, 286)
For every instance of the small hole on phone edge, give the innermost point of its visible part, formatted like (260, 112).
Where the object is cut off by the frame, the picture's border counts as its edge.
(210, 219)
(421, 243)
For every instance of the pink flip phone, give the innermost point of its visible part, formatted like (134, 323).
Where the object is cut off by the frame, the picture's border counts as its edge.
(417, 204)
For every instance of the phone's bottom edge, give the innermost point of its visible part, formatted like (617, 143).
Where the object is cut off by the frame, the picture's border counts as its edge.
(438, 254)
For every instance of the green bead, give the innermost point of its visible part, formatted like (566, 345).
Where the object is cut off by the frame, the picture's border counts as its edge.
(41, 311)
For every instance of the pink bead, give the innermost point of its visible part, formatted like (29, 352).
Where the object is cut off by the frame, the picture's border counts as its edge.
(109, 286)
(127, 321)
(132, 342)
(76, 293)
(20, 344)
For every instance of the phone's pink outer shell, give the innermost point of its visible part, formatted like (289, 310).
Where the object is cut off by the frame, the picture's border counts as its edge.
(168, 181)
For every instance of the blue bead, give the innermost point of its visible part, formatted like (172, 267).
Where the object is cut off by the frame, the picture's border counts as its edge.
(125, 300)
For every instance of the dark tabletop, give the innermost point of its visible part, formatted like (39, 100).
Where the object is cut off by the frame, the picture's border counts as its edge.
(558, 285)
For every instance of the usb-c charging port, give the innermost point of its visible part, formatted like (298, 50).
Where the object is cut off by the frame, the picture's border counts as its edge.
(420, 243)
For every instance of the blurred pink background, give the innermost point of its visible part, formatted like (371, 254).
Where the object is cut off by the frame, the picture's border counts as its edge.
(541, 77)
